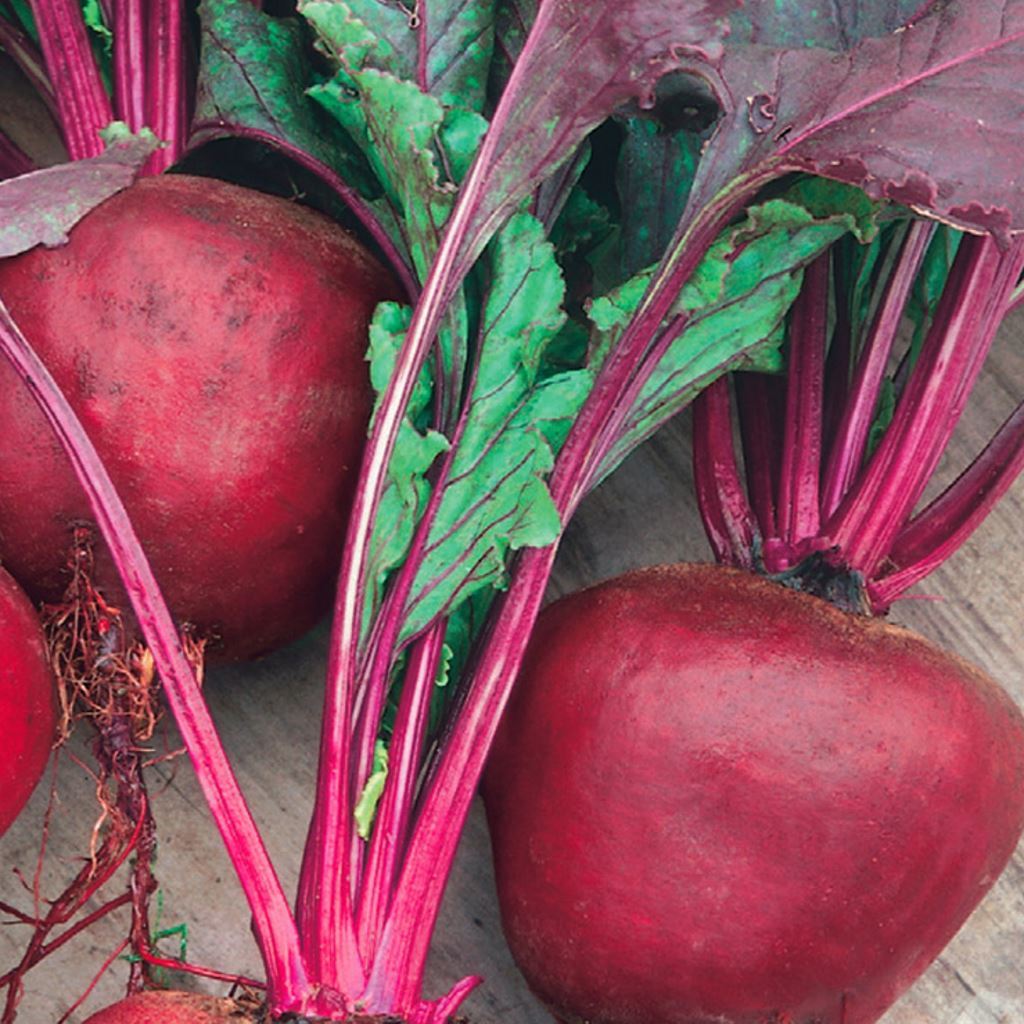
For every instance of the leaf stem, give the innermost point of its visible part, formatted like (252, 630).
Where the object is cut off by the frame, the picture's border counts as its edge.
(391, 827)
(326, 882)
(82, 103)
(847, 452)
(272, 921)
(761, 406)
(165, 92)
(130, 63)
(938, 530)
(970, 310)
(397, 975)
(798, 511)
(724, 509)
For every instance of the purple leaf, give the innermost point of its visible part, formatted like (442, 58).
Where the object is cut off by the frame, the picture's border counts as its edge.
(836, 26)
(41, 207)
(580, 62)
(928, 115)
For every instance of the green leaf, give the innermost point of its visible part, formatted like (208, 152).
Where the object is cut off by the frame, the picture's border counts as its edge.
(443, 46)
(418, 150)
(366, 805)
(737, 300)
(653, 179)
(22, 12)
(883, 417)
(253, 74)
(495, 499)
(402, 133)
(930, 281)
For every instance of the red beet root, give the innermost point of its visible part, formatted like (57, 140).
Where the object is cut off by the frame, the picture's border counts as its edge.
(171, 1008)
(714, 799)
(28, 704)
(212, 339)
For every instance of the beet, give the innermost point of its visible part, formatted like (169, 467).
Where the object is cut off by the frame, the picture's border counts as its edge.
(171, 1008)
(28, 702)
(212, 340)
(716, 799)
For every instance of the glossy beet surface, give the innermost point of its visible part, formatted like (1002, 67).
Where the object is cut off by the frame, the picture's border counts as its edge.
(212, 339)
(28, 703)
(714, 799)
(171, 1008)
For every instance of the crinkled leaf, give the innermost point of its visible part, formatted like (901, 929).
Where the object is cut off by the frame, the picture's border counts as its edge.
(581, 225)
(407, 490)
(737, 299)
(402, 130)
(418, 151)
(253, 75)
(882, 114)
(396, 126)
(41, 207)
(443, 46)
(495, 499)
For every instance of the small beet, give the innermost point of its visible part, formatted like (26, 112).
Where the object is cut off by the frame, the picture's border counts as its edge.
(716, 799)
(212, 340)
(28, 703)
(172, 1008)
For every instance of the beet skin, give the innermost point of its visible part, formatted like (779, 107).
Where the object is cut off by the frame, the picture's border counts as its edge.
(28, 702)
(171, 1008)
(715, 799)
(213, 342)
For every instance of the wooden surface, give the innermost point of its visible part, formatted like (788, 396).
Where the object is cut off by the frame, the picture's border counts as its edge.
(267, 713)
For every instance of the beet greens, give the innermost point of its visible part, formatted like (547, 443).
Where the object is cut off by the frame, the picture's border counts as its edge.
(771, 167)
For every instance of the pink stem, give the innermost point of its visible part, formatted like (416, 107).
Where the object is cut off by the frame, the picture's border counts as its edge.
(391, 828)
(166, 100)
(397, 975)
(724, 509)
(937, 531)
(325, 896)
(130, 58)
(847, 453)
(759, 402)
(969, 313)
(83, 106)
(272, 919)
(798, 511)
